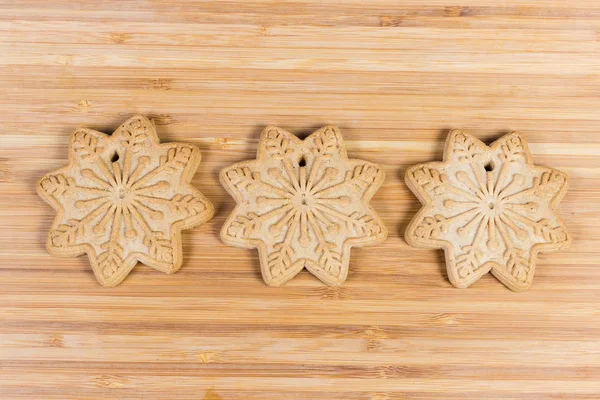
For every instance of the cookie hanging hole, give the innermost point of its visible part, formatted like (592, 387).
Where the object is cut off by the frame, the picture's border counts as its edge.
(114, 157)
(489, 167)
(302, 162)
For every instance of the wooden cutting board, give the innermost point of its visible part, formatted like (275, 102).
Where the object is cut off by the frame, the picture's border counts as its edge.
(395, 76)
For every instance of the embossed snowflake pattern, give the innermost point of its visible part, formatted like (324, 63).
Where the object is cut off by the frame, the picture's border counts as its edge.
(124, 198)
(303, 204)
(490, 208)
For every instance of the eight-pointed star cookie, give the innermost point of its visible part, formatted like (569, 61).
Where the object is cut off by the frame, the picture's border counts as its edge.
(489, 208)
(124, 198)
(302, 204)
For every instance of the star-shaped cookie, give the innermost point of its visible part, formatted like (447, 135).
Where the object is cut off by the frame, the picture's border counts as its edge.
(302, 203)
(489, 208)
(124, 198)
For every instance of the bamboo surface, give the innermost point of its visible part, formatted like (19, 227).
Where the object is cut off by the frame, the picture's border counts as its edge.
(395, 76)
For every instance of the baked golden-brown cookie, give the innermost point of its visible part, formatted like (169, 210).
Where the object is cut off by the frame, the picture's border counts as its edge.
(489, 208)
(124, 198)
(302, 203)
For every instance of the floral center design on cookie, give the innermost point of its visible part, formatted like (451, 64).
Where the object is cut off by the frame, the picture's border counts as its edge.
(305, 203)
(124, 198)
(302, 204)
(489, 207)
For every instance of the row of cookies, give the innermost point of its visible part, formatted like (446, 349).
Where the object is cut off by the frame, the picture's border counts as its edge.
(126, 197)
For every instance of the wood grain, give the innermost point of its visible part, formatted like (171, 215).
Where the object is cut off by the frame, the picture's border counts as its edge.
(395, 76)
